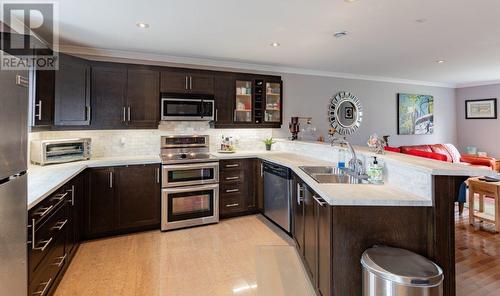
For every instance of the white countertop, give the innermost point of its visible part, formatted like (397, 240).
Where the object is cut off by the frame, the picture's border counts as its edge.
(44, 180)
(337, 194)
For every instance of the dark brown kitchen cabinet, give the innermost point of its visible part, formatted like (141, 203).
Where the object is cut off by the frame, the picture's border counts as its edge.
(224, 90)
(236, 192)
(259, 183)
(143, 97)
(137, 196)
(43, 102)
(76, 191)
(109, 84)
(185, 81)
(72, 92)
(312, 232)
(122, 199)
(100, 205)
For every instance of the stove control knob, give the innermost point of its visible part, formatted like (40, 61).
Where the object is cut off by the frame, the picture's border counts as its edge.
(183, 155)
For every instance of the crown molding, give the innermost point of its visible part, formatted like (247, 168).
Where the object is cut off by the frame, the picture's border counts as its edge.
(152, 57)
(479, 83)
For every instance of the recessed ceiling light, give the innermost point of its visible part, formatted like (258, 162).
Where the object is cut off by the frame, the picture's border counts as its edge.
(275, 44)
(142, 25)
(440, 61)
(340, 34)
(421, 20)
(350, 1)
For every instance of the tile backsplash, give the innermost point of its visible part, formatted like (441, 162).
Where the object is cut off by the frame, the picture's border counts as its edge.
(107, 143)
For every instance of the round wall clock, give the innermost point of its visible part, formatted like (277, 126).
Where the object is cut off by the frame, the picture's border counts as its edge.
(346, 113)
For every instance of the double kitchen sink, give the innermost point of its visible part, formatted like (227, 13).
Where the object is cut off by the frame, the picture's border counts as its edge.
(334, 175)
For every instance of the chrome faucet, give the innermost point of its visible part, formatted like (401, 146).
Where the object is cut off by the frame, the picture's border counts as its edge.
(355, 165)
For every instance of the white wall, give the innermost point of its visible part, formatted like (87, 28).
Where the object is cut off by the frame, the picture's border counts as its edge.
(482, 133)
(310, 96)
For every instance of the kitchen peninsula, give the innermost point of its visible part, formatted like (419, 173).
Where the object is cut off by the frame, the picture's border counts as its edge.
(330, 234)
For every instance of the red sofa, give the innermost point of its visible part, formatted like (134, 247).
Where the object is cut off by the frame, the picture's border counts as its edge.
(446, 152)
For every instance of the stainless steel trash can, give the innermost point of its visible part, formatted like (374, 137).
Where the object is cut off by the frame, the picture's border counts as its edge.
(396, 272)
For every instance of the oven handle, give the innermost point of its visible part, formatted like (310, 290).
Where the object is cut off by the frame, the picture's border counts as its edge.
(192, 166)
(191, 188)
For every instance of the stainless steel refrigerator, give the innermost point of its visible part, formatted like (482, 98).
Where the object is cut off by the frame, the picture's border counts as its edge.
(13, 182)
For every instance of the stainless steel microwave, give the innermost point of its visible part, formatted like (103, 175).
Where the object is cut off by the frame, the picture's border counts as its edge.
(187, 109)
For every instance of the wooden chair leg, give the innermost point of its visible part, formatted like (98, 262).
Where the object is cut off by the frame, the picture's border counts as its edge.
(471, 206)
(497, 211)
(460, 208)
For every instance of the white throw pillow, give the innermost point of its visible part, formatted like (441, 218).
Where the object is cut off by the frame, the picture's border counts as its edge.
(455, 154)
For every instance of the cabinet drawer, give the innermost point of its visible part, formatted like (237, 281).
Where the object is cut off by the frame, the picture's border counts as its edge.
(231, 176)
(44, 278)
(232, 164)
(47, 207)
(231, 204)
(231, 189)
(45, 238)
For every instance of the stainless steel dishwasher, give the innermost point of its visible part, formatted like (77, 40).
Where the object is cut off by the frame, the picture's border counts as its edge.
(277, 194)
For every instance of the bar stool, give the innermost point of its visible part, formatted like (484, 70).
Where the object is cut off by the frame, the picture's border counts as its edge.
(484, 189)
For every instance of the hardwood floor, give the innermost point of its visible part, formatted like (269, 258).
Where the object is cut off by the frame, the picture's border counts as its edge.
(240, 256)
(477, 258)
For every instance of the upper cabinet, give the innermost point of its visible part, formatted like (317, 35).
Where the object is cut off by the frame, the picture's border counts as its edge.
(184, 81)
(43, 101)
(273, 100)
(72, 91)
(143, 97)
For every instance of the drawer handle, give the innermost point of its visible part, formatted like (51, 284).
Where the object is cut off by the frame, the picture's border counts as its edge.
(61, 262)
(45, 287)
(232, 165)
(232, 178)
(232, 205)
(44, 211)
(232, 190)
(59, 225)
(45, 243)
(60, 196)
(320, 201)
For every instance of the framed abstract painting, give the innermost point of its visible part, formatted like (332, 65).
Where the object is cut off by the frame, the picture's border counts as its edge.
(415, 114)
(481, 109)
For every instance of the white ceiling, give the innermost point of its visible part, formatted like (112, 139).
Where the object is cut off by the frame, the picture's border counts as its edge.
(384, 38)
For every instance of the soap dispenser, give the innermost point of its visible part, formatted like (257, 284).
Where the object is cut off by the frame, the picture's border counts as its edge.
(375, 172)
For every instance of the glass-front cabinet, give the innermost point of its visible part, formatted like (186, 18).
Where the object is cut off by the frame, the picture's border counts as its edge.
(272, 112)
(243, 103)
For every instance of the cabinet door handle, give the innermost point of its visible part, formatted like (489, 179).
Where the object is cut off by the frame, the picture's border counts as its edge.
(87, 113)
(216, 113)
(45, 288)
(128, 112)
(45, 211)
(45, 243)
(158, 175)
(232, 165)
(124, 114)
(61, 262)
(262, 169)
(110, 179)
(232, 190)
(190, 82)
(39, 105)
(232, 178)
(186, 80)
(232, 205)
(60, 225)
(320, 201)
(72, 195)
(60, 196)
(300, 193)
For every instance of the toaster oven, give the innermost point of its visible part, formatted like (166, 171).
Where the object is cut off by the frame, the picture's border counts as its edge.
(44, 152)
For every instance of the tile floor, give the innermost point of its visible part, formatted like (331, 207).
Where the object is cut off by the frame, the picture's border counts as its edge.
(240, 256)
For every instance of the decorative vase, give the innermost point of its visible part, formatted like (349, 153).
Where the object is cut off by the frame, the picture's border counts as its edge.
(268, 147)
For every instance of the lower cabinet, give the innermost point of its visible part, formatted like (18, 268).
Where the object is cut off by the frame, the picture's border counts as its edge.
(236, 183)
(312, 232)
(122, 199)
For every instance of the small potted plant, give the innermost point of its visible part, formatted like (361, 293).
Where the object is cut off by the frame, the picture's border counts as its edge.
(269, 142)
